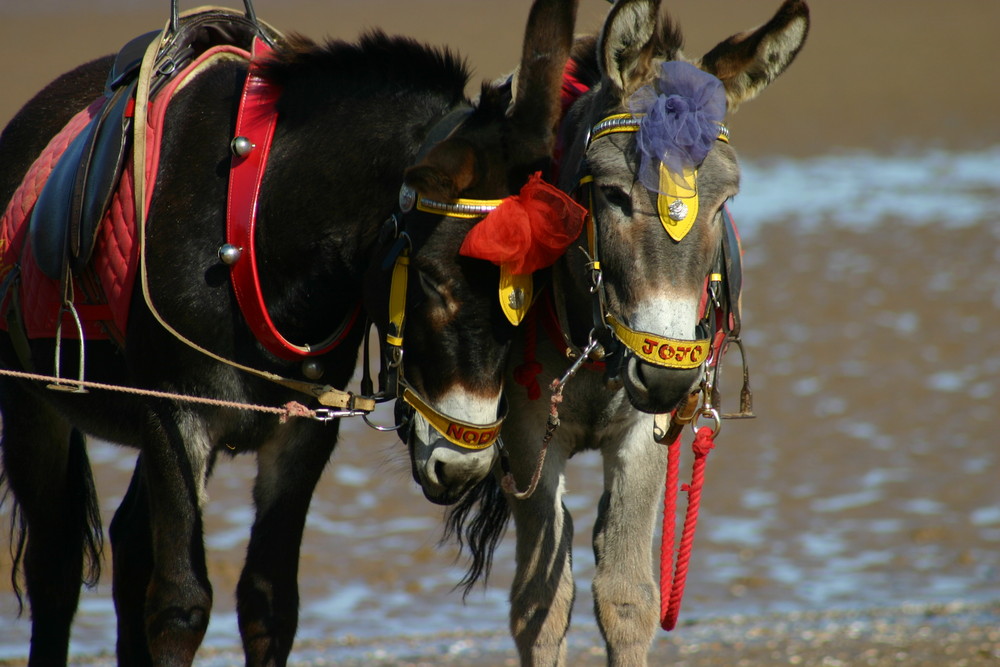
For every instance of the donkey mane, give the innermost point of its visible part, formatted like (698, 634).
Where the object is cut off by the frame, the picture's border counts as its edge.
(376, 61)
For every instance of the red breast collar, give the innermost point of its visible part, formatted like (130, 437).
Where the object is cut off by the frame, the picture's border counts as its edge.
(255, 125)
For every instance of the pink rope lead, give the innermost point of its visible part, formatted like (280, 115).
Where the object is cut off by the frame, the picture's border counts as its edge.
(672, 586)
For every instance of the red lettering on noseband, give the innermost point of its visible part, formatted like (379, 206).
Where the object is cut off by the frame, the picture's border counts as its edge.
(648, 346)
(470, 436)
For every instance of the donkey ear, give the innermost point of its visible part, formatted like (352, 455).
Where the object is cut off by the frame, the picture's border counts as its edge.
(548, 39)
(627, 43)
(448, 170)
(746, 63)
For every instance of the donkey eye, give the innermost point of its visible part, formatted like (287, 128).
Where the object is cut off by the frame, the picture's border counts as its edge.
(618, 198)
(432, 288)
(428, 284)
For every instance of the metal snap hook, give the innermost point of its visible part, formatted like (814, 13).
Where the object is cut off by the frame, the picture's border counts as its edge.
(329, 414)
(708, 413)
(378, 427)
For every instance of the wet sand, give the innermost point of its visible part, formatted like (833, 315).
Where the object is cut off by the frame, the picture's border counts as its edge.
(885, 77)
(934, 636)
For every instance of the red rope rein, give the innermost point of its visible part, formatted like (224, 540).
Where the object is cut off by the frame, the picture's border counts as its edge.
(672, 583)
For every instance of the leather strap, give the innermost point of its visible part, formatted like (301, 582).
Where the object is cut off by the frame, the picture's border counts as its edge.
(256, 121)
(324, 394)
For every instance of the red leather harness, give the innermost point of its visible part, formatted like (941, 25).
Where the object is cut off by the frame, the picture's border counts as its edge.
(255, 123)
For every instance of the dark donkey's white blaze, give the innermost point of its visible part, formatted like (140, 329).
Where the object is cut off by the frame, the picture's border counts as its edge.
(458, 450)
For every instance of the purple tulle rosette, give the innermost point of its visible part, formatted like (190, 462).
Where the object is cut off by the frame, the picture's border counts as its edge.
(681, 116)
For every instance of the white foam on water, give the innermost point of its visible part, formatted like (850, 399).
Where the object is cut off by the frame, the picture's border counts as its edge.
(859, 190)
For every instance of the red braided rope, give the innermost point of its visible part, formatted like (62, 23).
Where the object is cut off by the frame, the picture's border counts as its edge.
(672, 584)
(669, 522)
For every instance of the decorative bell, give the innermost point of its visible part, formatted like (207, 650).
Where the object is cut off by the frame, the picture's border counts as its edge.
(312, 369)
(229, 254)
(241, 146)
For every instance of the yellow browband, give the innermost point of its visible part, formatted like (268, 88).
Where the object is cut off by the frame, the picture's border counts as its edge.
(463, 434)
(677, 203)
(459, 208)
(626, 122)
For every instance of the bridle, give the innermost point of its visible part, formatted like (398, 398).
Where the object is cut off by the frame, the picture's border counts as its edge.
(392, 378)
(613, 340)
(409, 401)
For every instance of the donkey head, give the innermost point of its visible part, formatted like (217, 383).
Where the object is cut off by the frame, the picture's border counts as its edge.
(464, 301)
(649, 144)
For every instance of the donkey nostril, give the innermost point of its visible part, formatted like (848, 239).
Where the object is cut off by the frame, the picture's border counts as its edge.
(439, 472)
(640, 373)
(639, 378)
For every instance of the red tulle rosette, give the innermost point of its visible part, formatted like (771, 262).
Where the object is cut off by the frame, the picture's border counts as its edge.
(527, 231)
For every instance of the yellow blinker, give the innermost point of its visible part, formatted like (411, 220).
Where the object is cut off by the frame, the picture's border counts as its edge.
(516, 294)
(397, 299)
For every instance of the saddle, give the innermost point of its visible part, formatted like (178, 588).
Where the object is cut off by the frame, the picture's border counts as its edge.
(64, 224)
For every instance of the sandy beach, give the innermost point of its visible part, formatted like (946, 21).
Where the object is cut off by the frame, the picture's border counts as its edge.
(887, 78)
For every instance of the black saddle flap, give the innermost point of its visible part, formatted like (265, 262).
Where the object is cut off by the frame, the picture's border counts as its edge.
(72, 203)
(98, 176)
(64, 224)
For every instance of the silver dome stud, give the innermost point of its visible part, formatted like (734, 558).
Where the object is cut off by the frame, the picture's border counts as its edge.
(516, 298)
(312, 369)
(241, 146)
(407, 198)
(229, 254)
(677, 210)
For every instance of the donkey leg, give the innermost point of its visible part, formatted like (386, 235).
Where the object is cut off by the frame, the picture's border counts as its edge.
(543, 590)
(179, 596)
(46, 467)
(267, 595)
(625, 595)
(131, 546)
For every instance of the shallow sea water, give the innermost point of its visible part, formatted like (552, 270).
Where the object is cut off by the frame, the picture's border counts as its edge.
(869, 477)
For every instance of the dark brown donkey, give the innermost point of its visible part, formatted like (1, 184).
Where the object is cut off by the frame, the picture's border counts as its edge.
(349, 119)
